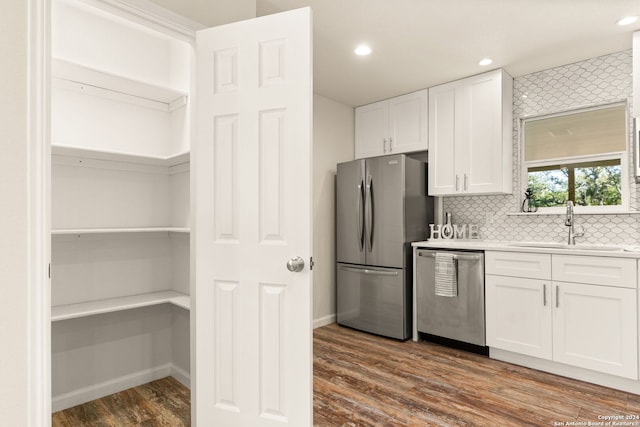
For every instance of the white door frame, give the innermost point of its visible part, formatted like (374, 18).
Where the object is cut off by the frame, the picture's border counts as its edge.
(39, 357)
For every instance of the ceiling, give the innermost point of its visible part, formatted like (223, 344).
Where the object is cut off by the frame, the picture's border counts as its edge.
(421, 43)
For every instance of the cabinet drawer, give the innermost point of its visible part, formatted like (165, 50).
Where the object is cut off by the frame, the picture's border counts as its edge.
(609, 271)
(518, 264)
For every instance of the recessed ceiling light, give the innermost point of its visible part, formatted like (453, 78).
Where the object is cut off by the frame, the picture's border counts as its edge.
(485, 61)
(363, 50)
(627, 20)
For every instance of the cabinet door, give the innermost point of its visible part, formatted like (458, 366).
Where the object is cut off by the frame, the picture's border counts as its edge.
(442, 157)
(372, 130)
(408, 122)
(518, 313)
(595, 327)
(486, 144)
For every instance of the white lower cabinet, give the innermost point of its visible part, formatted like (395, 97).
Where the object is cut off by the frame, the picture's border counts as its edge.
(594, 327)
(519, 315)
(579, 324)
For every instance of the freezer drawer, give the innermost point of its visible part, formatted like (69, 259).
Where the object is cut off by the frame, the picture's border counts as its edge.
(374, 300)
(461, 317)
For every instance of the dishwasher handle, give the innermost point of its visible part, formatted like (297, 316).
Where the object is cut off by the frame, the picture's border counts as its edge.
(457, 256)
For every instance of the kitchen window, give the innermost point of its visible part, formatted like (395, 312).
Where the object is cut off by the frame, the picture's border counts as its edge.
(580, 156)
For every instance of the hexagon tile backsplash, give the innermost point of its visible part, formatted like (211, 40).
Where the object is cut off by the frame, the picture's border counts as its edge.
(595, 81)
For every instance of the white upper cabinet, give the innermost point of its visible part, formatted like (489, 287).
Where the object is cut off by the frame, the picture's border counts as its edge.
(372, 129)
(396, 125)
(470, 135)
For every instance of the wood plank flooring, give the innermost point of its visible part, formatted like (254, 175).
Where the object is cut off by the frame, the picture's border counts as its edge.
(164, 402)
(364, 380)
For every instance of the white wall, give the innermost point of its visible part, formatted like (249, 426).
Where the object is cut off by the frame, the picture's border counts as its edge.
(333, 134)
(14, 214)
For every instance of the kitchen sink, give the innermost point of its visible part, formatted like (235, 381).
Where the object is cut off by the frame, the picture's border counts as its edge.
(553, 245)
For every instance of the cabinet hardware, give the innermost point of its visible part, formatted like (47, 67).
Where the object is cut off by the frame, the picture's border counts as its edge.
(557, 296)
(465, 182)
(544, 295)
(384, 145)
(457, 182)
(390, 145)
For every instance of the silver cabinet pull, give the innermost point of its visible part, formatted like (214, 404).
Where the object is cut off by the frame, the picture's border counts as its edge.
(466, 186)
(457, 182)
(544, 295)
(391, 145)
(557, 296)
(384, 145)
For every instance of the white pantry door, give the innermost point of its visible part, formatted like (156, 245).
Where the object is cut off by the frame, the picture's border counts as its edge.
(252, 159)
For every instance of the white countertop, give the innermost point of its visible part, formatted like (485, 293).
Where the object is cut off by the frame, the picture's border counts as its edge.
(622, 251)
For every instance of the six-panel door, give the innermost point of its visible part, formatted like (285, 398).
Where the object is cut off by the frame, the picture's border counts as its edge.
(253, 171)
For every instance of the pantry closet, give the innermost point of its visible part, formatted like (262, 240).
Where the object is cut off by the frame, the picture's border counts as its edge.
(120, 202)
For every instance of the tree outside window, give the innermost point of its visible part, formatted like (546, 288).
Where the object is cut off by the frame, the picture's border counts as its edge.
(577, 156)
(586, 184)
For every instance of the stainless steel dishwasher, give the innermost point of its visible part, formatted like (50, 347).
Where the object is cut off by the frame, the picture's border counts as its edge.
(460, 317)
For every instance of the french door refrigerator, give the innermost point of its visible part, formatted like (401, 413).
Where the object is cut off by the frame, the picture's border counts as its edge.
(381, 207)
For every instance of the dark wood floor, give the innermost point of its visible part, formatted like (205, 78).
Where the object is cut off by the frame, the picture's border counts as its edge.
(364, 380)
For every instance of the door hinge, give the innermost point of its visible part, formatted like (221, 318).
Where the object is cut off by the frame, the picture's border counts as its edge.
(311, 263)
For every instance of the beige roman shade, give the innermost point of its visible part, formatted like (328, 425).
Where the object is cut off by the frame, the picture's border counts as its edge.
(584, 133)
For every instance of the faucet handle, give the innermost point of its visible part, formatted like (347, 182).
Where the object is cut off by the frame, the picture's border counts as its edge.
(579, 233)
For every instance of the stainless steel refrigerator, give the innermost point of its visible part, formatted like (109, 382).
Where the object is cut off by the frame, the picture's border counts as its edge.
(381, 207)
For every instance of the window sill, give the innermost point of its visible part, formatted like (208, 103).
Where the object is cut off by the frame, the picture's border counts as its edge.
(597, 212)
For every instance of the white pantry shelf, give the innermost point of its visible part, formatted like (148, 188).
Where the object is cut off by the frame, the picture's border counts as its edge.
(72, 311)
(119, 156)
(74, 76)
(71, 231)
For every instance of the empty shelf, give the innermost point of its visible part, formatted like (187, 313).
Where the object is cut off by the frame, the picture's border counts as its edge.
(71, 231)
(72, 311)
(114, 85)
(118, 156)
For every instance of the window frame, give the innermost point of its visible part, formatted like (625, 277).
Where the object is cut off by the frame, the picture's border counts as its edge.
(623, 156)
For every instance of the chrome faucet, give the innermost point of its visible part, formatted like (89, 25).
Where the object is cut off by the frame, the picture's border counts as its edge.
(569, 223)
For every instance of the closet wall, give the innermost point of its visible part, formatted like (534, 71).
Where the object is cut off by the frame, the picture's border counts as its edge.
(120, 204)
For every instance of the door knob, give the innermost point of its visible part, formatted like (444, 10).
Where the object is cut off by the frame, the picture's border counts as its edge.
(295, 264)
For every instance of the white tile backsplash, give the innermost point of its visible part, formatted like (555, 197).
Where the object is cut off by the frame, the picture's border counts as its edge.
(592, 82)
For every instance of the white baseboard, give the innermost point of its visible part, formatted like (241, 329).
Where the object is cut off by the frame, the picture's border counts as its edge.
(181, 375)
(324, 321)
(606, 380)
(96, 391)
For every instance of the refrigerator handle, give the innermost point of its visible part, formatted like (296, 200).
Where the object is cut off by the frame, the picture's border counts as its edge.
(360, 216)
(369, 212)
(370, 271)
